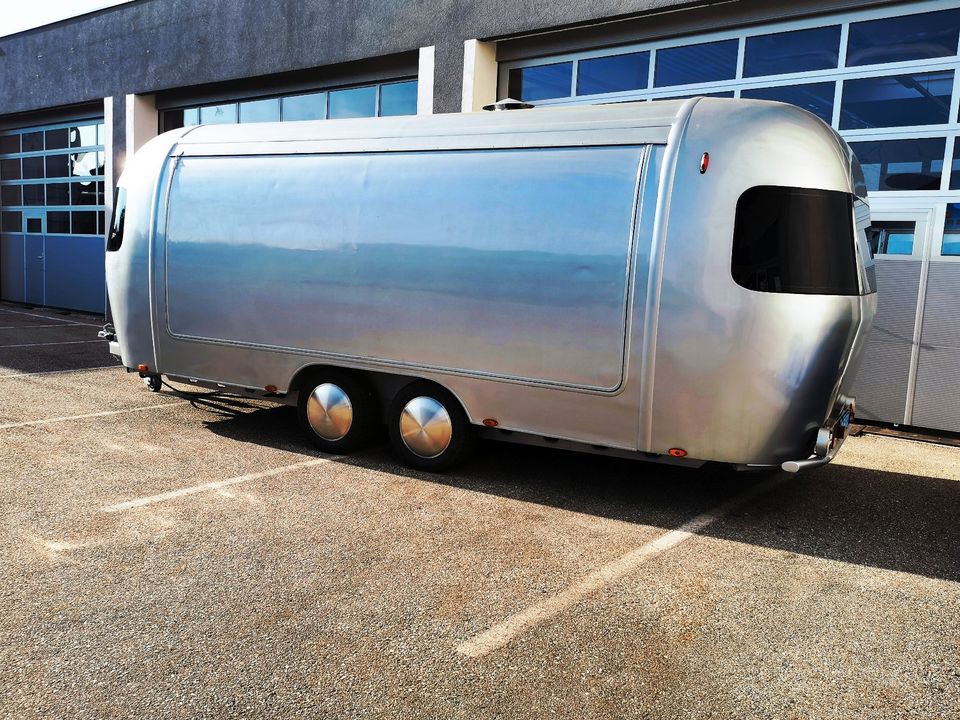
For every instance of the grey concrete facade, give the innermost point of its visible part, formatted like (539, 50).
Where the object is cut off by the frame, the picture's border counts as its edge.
(156, 45)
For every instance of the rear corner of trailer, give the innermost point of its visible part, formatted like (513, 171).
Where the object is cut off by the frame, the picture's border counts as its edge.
(767, 287)
(135, 209)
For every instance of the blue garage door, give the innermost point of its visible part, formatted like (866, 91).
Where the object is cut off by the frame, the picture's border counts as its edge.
(52, 215)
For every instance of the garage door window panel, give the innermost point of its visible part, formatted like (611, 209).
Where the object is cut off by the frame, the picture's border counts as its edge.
(951, 231)
(614, 73)
(896, 101)
(312, 106)
(813, 97)
(701, 63)
(891, 165)
(892, 237)
(791, 52)
(398, 99)
(904, 37)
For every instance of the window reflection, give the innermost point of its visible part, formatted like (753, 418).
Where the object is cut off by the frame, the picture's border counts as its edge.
(790, 52)
(219, 114)
(353, 103)
(895, 101)
(904, 37)
(83, 164)
(70, 156)
(398, 99)
(305, 107)
(191, 116)
(705, 62)
(951, 231)
(955, 166)
(540, 82)
(83, 136)
(815, 97)
(901, 164)
(260, 111)
(891, 237)
(615, 73)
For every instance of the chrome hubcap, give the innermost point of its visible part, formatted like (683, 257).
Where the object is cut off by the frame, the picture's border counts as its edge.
(425, 427)
(329, 411)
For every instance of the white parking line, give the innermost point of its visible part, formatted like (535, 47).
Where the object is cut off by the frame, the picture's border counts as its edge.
(66, 342)
(61, 372)
(47, 317)
(29, 327)
(210, 486)
(105, 413)
(504, 632)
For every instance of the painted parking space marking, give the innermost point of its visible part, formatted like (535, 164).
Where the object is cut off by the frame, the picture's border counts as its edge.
(60, 372)
(105, 413)
(30, 327)
(64, 342)
(516, 625)
(47, 317)
(215, 486)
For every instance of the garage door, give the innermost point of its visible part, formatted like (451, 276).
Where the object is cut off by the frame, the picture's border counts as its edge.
(52, 215)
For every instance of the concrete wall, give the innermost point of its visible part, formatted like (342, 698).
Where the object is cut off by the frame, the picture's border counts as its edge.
(153, 45)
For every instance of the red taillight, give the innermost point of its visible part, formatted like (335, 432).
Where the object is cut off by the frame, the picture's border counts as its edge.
(704, 162)
(677, 452)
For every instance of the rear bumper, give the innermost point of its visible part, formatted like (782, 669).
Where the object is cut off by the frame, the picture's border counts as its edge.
(829, 437)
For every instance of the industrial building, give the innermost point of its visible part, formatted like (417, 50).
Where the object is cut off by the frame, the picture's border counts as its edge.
(78, 96)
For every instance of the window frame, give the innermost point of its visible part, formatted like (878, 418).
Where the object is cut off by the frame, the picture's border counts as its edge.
(98, 208)
(326, 90)
(837, 76)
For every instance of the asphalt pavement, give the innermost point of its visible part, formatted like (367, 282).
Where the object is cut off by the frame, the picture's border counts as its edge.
(172, 557)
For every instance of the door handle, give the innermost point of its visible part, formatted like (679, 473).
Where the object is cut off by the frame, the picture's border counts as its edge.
(39, 257)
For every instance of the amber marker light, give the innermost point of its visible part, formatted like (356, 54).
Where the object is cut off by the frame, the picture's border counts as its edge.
(270, 388)
(142, 368)
(677, 452)
(704, 162)
(490, 422)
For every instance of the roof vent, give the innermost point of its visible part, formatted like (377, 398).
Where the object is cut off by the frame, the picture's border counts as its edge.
(508, 104)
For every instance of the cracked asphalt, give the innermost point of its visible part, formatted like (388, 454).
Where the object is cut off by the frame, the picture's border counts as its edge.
(165, 558)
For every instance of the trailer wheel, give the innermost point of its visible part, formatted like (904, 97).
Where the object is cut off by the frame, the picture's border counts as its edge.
(338, 411)
(428, 428)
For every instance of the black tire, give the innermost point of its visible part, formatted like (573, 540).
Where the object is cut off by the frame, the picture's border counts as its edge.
(461, 436)
(364, 412)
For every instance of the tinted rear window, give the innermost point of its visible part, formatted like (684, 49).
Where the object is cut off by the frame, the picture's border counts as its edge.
(115, 235)
(795, 240)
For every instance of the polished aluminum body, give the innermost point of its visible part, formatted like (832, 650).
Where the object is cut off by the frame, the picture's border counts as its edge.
(565, 272)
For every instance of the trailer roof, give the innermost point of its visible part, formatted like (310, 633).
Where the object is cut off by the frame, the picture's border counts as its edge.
(638, 122)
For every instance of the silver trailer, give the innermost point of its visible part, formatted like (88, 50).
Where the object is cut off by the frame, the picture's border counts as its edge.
(681, 281)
